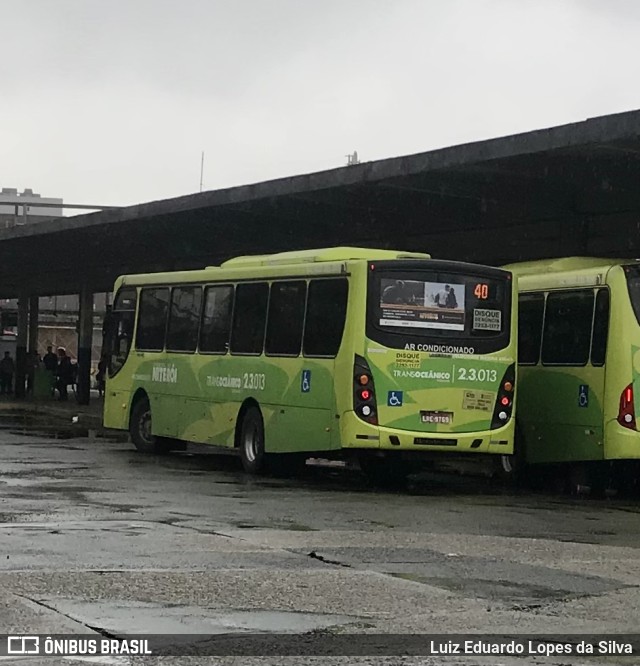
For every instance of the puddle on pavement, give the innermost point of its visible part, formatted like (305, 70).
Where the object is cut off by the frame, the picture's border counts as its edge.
(131, 528)
(490, 589)
(10, 517)
(52, 426)
(52, 433)
(293, 527)
(40, 428)
(133, 617)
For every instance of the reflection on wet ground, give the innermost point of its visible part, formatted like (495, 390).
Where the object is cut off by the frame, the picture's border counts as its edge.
(95, 535)
(318, 474)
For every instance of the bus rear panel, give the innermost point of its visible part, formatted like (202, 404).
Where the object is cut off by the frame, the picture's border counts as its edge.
(437, 371)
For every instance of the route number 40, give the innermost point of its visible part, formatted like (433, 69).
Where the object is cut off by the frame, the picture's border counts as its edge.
(481, 291)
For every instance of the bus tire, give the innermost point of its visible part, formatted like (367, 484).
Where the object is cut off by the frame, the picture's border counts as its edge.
(511, 468)
(252, 441)
(140, 429)
(587, 478)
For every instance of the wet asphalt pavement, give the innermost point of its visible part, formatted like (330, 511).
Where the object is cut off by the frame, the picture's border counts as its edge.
(97, 537)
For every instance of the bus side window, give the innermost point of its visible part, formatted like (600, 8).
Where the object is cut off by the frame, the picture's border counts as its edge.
(216, 319)
(530, 316)
(249, 318)
(286, 318)
(600, 328)
(152, 318)
(326, 313)
(184, 318)
(567, 327)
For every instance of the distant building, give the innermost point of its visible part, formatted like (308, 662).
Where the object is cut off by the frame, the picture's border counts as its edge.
(15, 209)
(58, 322)
(58, 315)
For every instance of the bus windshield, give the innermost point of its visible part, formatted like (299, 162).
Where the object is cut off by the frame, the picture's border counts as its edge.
(119, 329)
(438, 305)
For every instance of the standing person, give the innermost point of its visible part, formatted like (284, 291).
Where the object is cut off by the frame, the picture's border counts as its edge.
(395, 293)
(7, 368)
(440, 299)
(451, 301)
(63, 373)
(50, 361)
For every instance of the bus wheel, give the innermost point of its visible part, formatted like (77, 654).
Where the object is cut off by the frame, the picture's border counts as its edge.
(588, 478)
(578, 478)
(252, 441)
(140, 430)
(386, 472)
(510, 468)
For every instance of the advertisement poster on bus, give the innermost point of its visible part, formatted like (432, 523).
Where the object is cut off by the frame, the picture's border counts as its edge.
(417, 304)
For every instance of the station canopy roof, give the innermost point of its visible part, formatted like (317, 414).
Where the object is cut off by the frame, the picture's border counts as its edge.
(566, 190)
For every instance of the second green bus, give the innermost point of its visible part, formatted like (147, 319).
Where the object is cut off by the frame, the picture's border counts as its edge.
(579, 366)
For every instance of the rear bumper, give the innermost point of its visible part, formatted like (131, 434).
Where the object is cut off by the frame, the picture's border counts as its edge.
(357, 434)
(621, 443)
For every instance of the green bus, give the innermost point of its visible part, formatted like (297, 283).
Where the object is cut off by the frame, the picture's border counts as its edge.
(579, 364)
(389, 357)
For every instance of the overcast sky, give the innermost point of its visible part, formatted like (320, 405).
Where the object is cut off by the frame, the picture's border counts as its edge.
(112, 101)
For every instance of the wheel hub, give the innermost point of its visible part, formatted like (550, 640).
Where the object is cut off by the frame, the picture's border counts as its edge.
(145, 427)
(251, 445)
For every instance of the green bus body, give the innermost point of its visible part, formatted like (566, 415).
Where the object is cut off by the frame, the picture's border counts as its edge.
(432, 390)
(579, 359)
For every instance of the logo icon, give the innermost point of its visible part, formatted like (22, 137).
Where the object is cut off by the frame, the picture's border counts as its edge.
(23, 645)
(583, 395)
(305, 383)
(394, 399)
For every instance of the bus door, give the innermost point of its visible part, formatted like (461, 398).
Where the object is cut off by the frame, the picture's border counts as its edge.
(118, 327)
(153, 370)
(305, 329)
(563, 408)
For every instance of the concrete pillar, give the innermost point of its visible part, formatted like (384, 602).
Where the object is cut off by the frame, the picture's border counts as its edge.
(85, 339)
(34, 313)
(21, 345)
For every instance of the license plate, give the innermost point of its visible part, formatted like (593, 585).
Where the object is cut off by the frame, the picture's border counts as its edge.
(437, 417)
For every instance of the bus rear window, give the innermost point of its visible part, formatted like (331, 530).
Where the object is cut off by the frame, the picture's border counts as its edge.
(442, 303)
(438, 305)
(632, 273)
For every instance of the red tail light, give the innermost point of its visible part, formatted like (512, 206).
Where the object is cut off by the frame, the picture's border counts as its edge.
(627, 413)
(505, 397)
(364, 395)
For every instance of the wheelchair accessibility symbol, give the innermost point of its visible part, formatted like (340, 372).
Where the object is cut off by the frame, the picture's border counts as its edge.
(305, 383)
(394, 399)
(583, 395)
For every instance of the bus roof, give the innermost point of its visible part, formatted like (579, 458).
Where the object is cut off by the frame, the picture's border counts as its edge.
(312, 262)
(563, 264)
(320, 255)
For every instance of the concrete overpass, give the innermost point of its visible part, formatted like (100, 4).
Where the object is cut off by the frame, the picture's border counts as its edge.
(571, 189)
